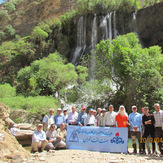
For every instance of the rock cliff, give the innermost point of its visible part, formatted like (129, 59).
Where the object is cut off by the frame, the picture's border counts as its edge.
(9, 146)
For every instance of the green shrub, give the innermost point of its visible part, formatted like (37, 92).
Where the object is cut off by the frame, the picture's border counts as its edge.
(4, 16)
(38, 104)
(9, 31)
(10, 6)
(7, 90)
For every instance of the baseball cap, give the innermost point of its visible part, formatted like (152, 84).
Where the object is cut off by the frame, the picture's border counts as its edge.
(59, 109)
(90, 109)
(103, 109)
(40, 125)
(83, 107)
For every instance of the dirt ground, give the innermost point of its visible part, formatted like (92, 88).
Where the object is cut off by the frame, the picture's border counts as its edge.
(83, 156)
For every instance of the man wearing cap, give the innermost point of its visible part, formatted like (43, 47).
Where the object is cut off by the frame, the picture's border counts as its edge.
(38, 139)
(72, 117)
(89, 120)
(48, 120)
(135, 120)
(101, 118)
(109, 119)
(81, 116)
(58, 119)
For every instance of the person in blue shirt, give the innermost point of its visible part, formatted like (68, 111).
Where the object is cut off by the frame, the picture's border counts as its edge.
(58, 119)
(135, 120)
(81, 116)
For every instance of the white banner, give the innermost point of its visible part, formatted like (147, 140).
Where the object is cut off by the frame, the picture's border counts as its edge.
(106, 139)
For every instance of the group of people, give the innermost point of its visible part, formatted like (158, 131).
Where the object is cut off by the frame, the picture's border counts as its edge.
(141, 126)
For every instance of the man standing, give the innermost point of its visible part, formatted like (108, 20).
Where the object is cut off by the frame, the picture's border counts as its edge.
(135, 120)
(109, 119)
(101, 118)
(99, 114)
(58, 119)
(81, 116)
(38, 139)
(89, 120)
(48, 120)
(65, 114)
(158, 115)
(149, 129)
(72, 117)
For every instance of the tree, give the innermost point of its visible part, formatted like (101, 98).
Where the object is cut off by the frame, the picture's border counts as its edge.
(47, 75)
(135, 71)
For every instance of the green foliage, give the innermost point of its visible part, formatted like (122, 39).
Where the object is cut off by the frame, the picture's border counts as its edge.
(2, 35)
(4, 16)
(7, 91)
(10, 6)
(9, 31)
(48, 74)
(39, 34)
(38, 104)
(136, 71)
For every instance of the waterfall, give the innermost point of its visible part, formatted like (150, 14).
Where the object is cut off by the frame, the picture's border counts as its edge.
(93, 43)
(114, 25)
(135, 28)
(81, 41)
(104, 26)
(110, 27)
(94, 32)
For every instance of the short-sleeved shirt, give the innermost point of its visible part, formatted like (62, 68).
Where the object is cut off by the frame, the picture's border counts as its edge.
(121, 120)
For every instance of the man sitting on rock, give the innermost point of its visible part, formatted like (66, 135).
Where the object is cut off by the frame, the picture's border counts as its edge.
(38, 139)
(62, 133)
(54, 141)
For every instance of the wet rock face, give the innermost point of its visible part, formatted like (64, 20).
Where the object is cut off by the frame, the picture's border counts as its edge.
(150, 25)
(9, 146)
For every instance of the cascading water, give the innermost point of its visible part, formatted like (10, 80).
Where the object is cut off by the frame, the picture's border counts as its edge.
(81, 40)
(135, 28)
(104, 26)
(110, 27)
(93, 43)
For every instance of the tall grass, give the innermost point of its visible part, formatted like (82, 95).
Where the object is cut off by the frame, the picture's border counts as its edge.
(38, 104)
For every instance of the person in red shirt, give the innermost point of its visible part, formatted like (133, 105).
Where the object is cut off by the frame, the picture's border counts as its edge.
(122, 117)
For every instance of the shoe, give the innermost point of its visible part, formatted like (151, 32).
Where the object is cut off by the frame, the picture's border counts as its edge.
(143, 153)
(161, 155)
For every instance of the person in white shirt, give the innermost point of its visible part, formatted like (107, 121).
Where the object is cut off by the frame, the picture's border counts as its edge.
(158, 116)
(89, 120)
(109, 119)
(38, 139)
(48, 120)
(72, 117)
(101, 118)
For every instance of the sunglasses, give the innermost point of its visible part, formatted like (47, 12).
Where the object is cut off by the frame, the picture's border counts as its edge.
(53, 127)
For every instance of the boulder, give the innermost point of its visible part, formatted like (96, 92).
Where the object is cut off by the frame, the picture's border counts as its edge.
(9, 146)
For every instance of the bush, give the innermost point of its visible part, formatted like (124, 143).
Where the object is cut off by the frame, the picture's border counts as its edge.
(9, 31)
(4, 16)
(7, 91)
(38, 104)
(9, 6)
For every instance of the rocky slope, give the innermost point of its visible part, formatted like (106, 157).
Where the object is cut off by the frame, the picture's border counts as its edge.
(9, 146)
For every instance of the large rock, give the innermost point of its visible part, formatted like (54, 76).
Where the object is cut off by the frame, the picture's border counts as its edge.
(9, 146)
